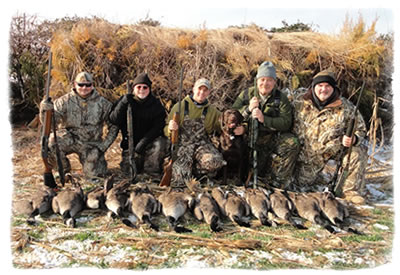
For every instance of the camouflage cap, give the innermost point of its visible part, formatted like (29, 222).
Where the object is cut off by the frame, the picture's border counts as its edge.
(202, 82)
(84, 77)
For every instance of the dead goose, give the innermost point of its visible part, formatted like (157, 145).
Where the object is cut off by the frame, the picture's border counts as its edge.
(282, 207)
(260, 205)
(307, 207)
(336, 212)
(95, 198)
(233, 206)
(206, 209)
(333, 209)
(143, 205)
(116, 196)
(175, 203)
(69, 203)
(22, 207)
(39, 203)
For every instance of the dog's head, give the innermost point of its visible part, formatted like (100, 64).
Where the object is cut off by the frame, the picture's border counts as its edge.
(230, 119)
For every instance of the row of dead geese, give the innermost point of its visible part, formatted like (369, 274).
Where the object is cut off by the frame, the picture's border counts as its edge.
(140, 205)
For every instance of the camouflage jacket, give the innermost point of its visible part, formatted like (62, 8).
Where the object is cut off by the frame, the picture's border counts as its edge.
(211, 122)
(84, 118)
(321, 132)
(277, 117)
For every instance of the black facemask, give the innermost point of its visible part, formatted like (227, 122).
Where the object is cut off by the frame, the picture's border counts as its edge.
(321, 105)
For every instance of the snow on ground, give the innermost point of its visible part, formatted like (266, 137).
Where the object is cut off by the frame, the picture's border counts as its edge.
(63, 249)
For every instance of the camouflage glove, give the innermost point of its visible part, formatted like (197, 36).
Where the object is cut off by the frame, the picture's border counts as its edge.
(46, 105)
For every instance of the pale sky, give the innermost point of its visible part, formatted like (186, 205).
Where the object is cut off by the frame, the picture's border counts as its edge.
(218, 14)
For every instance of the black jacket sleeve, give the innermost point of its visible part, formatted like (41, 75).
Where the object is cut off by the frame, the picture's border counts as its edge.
(118, 111)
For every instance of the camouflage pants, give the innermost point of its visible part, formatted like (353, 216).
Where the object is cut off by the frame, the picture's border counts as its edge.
(203, 159)
(91, 158)
(152, 160)
(276, 158)
(196, 154)
(307, 172)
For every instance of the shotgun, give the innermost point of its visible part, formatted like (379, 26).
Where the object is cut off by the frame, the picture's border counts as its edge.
(131, 146)
(46, 129)
(254, 137)
(337, 185)
(166, 179)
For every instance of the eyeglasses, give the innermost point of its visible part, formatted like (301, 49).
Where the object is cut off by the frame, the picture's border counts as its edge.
(142, 87)
(84, 84)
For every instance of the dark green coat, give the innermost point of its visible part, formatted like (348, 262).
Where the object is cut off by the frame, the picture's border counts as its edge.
(277, 117)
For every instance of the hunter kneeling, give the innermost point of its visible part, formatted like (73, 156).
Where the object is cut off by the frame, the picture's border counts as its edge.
(147, 120)
(81, 115)
(198, 119)
(269, 114)
(322, 117)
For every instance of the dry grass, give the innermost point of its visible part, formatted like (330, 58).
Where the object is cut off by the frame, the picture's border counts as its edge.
(228, 57)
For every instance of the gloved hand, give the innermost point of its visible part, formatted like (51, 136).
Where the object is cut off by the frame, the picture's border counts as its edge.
(141, 146)
(128, 98)
(46, 105)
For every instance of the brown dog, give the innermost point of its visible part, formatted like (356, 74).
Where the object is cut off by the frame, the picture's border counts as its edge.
(233, 147)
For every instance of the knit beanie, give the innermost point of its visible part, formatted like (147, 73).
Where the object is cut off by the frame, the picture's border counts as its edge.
(266, 69)
(324, 76)
(142, 78)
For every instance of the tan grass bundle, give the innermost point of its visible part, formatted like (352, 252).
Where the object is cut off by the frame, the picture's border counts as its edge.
(229, 58)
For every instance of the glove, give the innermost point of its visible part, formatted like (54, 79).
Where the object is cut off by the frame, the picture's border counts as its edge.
(46, 105)
(141, 146)
(128, 98)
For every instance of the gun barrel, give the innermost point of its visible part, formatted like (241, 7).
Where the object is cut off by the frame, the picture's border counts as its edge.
(338, 185)
(129, 115)
(48, 82)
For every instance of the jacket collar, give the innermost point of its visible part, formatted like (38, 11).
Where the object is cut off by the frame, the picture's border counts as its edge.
(92, 96)
(335, 103)
(198, 105)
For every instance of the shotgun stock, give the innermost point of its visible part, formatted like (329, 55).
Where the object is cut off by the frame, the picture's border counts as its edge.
(167, 176)
(166, 179)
